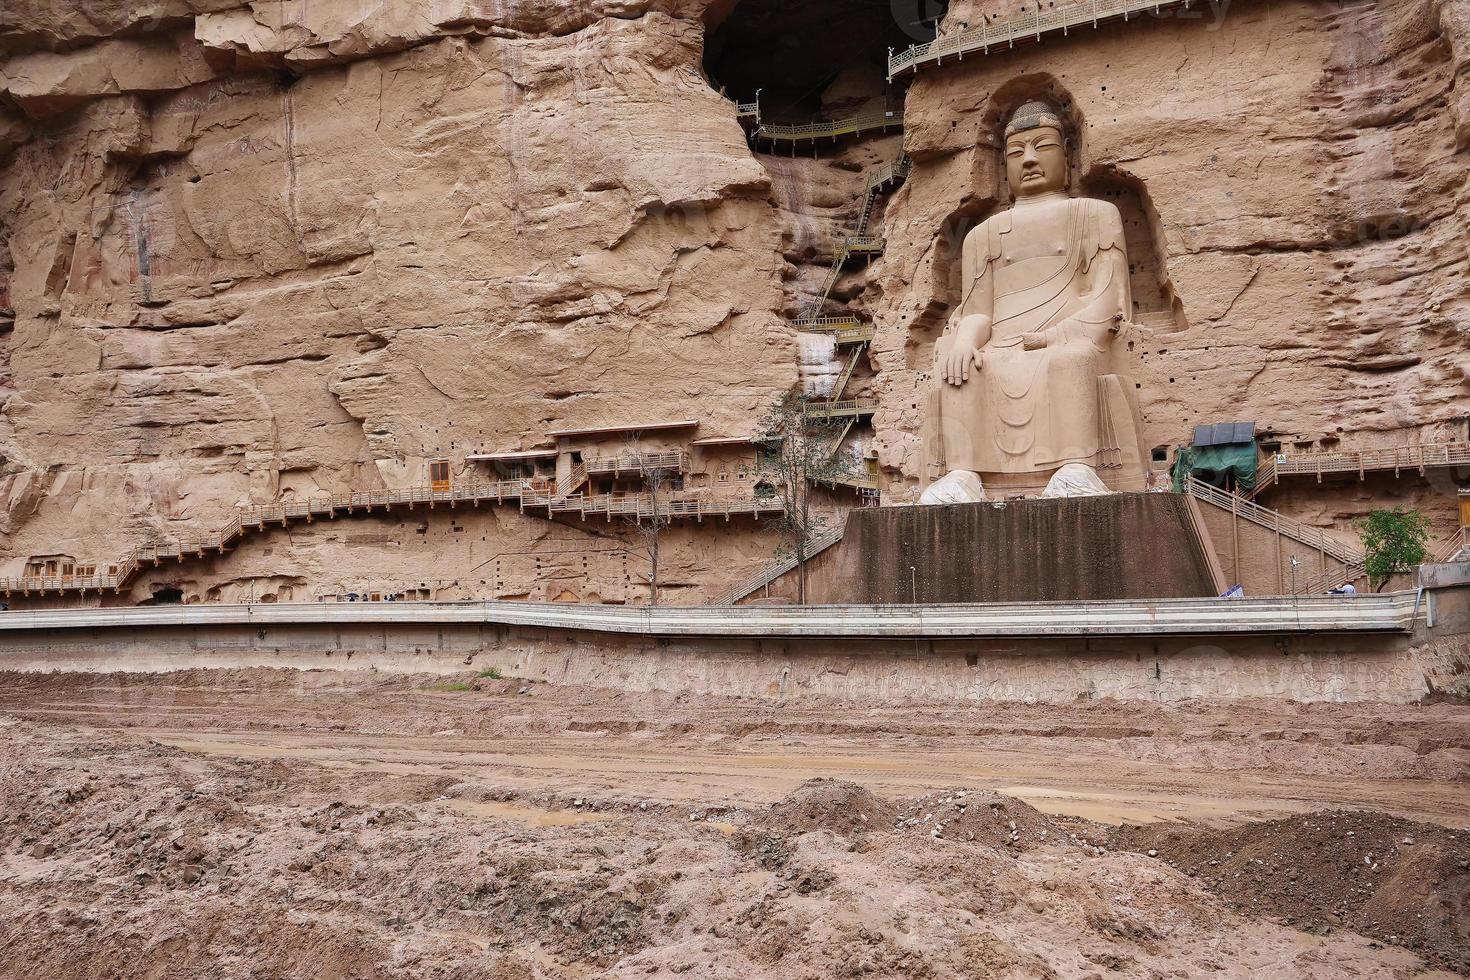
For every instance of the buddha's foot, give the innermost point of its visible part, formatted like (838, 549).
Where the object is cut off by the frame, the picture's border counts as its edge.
(955, 487)
(1075, 480)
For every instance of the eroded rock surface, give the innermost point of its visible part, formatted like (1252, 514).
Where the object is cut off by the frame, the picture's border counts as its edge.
(264, 250)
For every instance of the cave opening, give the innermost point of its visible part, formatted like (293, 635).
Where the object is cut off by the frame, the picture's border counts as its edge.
(1154, 298)
(815, 59)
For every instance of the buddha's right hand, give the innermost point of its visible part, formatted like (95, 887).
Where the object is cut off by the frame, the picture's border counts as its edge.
(962, 355)
(956, 363)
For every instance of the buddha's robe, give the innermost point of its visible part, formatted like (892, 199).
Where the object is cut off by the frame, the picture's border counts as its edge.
(1057, 269)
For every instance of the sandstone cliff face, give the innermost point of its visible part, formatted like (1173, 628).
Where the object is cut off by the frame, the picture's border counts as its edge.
(1299, 170)
(257, 250)
(456, 232)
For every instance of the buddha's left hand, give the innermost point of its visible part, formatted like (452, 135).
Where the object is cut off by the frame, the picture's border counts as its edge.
(1068, 332)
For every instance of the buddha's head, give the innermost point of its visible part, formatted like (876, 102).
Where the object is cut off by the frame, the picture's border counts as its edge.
(1036, 150)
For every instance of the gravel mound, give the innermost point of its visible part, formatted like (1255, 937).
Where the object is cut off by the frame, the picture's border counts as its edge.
(1395, 880)
(829, 804)
(980, 816)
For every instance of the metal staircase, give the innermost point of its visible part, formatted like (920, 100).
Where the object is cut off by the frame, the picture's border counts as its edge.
(777, 568)
(846, 330)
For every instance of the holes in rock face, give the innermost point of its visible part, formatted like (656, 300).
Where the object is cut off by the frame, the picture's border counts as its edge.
(164, 597)
(949, 242)
(817, 58)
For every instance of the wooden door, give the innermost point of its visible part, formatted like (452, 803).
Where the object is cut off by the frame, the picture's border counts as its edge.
(439, 475)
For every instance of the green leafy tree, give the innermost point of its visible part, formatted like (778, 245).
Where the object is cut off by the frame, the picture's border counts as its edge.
(798, 452)
(1393, 541)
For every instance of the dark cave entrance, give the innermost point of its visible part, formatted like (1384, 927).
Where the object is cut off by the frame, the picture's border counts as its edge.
(815, 58)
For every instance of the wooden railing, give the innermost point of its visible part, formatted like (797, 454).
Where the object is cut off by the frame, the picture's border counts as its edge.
(1021, 28)
(670, 505)
(1332, 578)
(857, 335)
(1265, 477)
(858, 243)
(840, 409)
(1450, 549)
(531, 494)
(894, 172)
(816, 324)
(862, 479)
(844, 249)
(1395, 459)
(574, 479)
(853, 357)
(862, 245)
(1272, 520)
(675, 461)
(1419, 458)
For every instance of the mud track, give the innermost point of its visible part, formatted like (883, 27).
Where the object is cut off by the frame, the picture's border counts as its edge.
(264, 823)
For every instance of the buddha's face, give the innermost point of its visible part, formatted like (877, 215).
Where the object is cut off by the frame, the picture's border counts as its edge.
(1036, 161)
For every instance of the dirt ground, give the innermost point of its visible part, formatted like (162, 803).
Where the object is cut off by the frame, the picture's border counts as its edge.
(340, 825)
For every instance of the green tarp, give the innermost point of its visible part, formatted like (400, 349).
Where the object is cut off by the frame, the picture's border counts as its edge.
(1228, 467)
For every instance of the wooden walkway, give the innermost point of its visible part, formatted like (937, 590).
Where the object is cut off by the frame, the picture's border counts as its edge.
(846, 408)
(1417, 459)
(1023, 28)
(530, 496)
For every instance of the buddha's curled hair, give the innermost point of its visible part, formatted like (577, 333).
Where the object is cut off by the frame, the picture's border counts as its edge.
(1033, 114)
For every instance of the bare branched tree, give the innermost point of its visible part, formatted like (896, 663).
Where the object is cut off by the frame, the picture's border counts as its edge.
(798, 451)
(657, 474)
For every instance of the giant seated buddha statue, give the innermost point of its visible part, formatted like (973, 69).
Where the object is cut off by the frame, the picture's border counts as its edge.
(1026, 399)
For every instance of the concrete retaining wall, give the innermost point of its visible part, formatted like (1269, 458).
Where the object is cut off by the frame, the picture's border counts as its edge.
(1342, 667)
(1119, 546)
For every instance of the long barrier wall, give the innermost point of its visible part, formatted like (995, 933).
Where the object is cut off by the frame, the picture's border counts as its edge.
(1399, 647)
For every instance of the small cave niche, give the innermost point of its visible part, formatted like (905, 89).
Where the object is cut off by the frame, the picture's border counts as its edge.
(164, 596)
(1155, 303)
(815, 59)
(948, 281)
